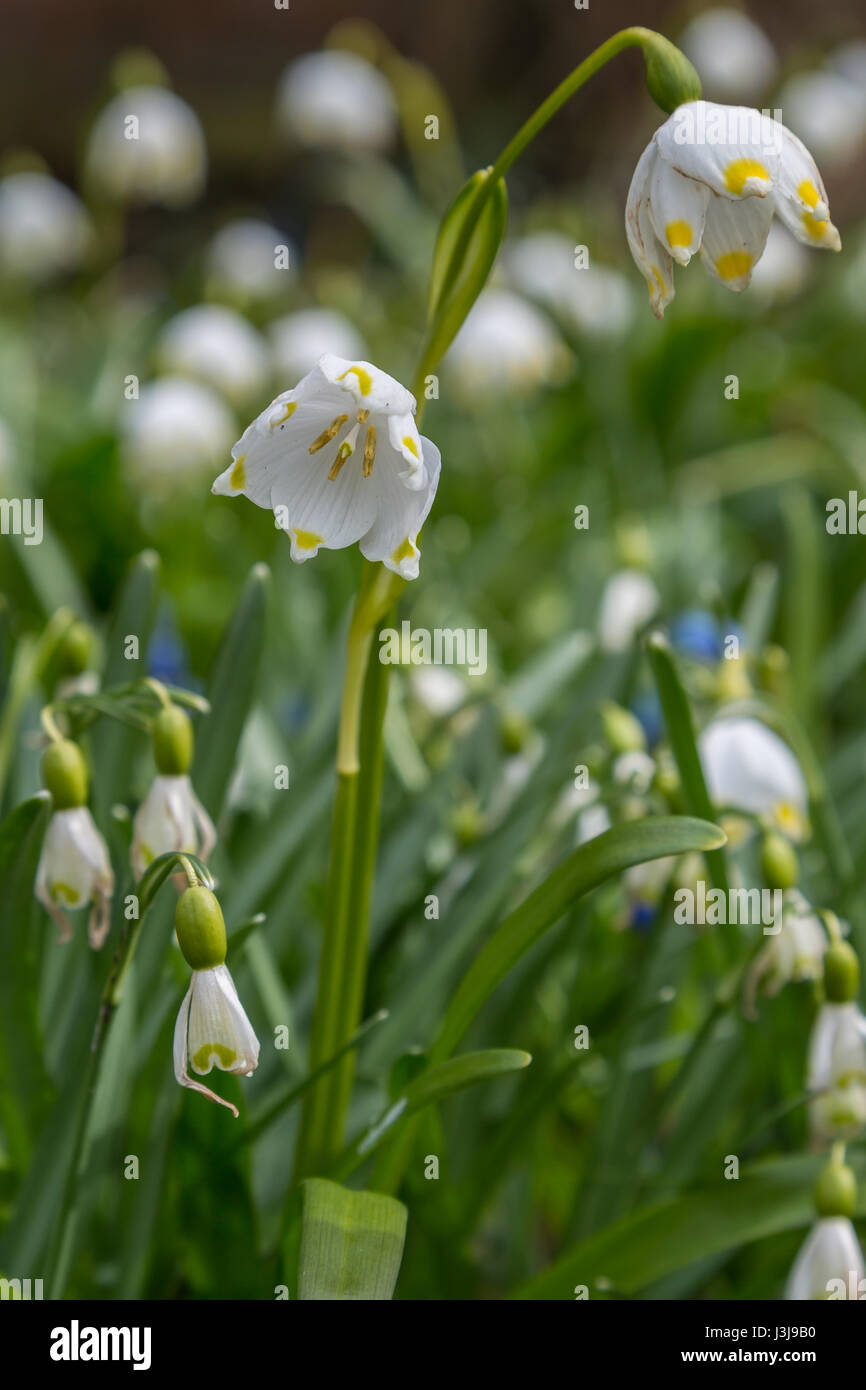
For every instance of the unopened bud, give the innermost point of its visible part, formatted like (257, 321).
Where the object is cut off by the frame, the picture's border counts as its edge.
(201, 928)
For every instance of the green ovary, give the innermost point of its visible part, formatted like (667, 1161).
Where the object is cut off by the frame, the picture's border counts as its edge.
(224, 1057)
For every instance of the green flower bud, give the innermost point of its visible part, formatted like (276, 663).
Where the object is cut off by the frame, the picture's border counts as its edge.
(74, 650)
(64, 774)
(841, 973)
(172, 741)
(670, 76)
(201, 929)
(467, 823)
(622, 730)
(779, 864)
(835, 1192)
(514, 729)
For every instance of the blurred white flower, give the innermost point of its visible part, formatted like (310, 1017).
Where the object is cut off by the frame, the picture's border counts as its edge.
(249, 259)
(784, 268)
(217, 345)
(733, 56)
(176, 427)
(850, 61)
(336, 100)
(212, 1029)
(596, 300)
(44, 229)
(147, 146)
(829, 109)
(629, 600)
(830, 1252)
(836, 1072)
(634, 770)
(796, 952)
(749, 768)
(439, 690)
(592, 822)
(505, 345)
(74, 870)
(299, 340)
(170, 817)
(711, 179)
(339, 460)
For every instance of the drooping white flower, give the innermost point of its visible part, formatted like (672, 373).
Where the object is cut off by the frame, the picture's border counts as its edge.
(505, 345)
(594, 299)
(147, 146)
(836, 1075)
(250, 260)
(44, 229)
(830, 1253)
(170, 817)
(336, 100)
(217, 345)
(830, 109)
(733, 55)
(784, 268)
(440, 690)
(339, 460)
(74, 870)
(796, 952)
(629, 600)
(299, 340)
(749, 768)
(175, 427)
(711, 179)
(213, 1030)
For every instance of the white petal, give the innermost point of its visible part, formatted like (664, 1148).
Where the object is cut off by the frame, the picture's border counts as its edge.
(400, 515)
(163, 822)
(219, 1033)
(734, 238)
(750, 768)
(677, 206)
(734, 150)
(800, 198)
(180, 1053)
(831, 1251)
(368, 386)
(74, 859)
(651, 257)
(315, 510)
(258, 458)
(405, 440)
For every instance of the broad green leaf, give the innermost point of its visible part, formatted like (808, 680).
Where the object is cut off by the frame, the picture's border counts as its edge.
(232, 691)
(351, 1243)
(607, 855)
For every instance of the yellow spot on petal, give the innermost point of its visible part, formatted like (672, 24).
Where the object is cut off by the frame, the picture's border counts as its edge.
(815, 228)
(657, 283)
(809, 193)
(739, 171)
(409, 443)
(307, 540)
(62, 892)
(238, 477)
(291, 407)
(365, 381)
(205, 1056)
(733, 265)
(405, 551)
(679, 234)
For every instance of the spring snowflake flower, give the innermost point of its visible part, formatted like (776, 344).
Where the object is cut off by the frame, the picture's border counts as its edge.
(836, 1076)
(710, 180)
(299, 340)
(506, 345)
(175, 427)
(629, 600)
(336, 100)
(147, 145)
(250, 260)
(830, 109)
(44, 229)
(74, 871)
(749, 768)
(830, 1252)
(218, 346)
(595, 300)
(339, 460)
(170, 817)
(796, 952)
(733, 56)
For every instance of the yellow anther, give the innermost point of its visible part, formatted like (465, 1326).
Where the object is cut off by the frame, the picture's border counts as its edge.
(345, 449)
(369, 450)
(327, 435)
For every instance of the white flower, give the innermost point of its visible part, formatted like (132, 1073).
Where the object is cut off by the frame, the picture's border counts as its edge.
(439, 690)
(74, 870)
(594, 299)
(249, 259)
(339, 459)
(336, 100)
(44, 229)
(213, 1030)
(219, 346)
(170, 817)
(784, 268)
(175, 427)
(830, 1252)
(836, 1073)
(830, 109)
(710, 180)
(749, 768)
(299, 340)
(796, 952)
(733, 56)
(147, 145)
(505, 345)
(629, 600)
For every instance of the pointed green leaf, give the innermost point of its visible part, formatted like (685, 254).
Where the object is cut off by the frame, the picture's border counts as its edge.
(351, 1243)
(466, 249)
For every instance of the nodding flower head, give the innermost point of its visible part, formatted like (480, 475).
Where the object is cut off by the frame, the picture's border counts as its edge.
(74, 867)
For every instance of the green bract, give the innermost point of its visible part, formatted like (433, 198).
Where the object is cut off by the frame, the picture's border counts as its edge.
(201, 930)
(64, 774)
(172, 741)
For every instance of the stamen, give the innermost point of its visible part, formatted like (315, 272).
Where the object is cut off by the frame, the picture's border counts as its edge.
(327, 435)
(346, 449)
(363, 416)
(369, 450)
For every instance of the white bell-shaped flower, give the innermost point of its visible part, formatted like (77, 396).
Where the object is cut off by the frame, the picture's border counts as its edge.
(629, 600)
(299, 340)
(44, 229)
(750, 768)
(829, 1258)
(74, 870)
(836, 1074)
(250, 260)
(710, 180)
(212, 1030)
(218, 346)
(147, 146)
(336, 100)
(170, 818)
(176, 429)
(339, 461)
(795, 952)
(506, 345)
(733, 55)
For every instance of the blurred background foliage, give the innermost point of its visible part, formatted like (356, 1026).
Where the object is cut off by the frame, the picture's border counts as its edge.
(565, 398)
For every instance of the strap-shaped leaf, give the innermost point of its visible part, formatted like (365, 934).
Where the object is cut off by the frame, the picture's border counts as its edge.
(351, 1243)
